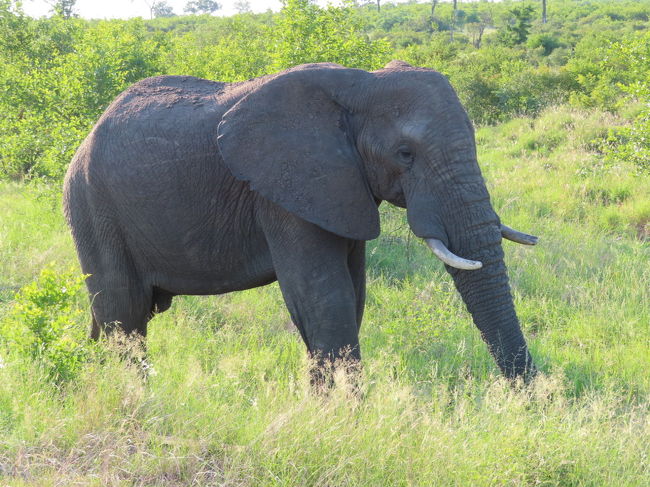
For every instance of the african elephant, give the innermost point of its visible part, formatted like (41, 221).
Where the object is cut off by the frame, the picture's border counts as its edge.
(190, 186)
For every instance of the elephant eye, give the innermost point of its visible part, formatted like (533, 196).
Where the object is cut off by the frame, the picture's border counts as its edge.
(405, 156)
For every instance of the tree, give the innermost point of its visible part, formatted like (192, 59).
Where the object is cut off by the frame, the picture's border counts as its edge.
(242, 6)
(434, 4)
(626, 64)
(476, 25)
(475, 31)
(63, 8)
(518, 26)
(452, 26)
(161, 9)
(203, 7)
(543, 11)
(306, 33)
(58, 76)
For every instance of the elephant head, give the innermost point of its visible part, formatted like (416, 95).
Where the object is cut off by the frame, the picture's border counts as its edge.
(329, 143)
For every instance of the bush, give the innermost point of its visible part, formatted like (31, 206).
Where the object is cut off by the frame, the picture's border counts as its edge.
(43, 325)
(58, 83)
(496, 83)
(517, 26)
(305, 33)
(631, 143)
(237, 53)
(547, 42)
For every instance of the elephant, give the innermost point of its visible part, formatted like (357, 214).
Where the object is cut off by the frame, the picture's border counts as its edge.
(187, 186)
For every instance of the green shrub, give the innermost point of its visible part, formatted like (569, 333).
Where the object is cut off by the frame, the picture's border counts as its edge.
(547, 42)
(608, 69)
(437, 53)
(305, 33)
(629, 144)
(497, 83)
(240, 51)
(517, 26)
(43, 324)
(57, 84)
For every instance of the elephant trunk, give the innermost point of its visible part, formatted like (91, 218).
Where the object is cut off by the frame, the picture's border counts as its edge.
(486, 294)
(474, 232)
(460, 216)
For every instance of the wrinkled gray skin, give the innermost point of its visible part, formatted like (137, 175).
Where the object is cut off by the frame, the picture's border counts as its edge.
(189, 186)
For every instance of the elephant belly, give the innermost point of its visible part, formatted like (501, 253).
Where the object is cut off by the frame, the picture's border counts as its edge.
(210, 284)
(190, 228)
(203, 251)
(183, 273)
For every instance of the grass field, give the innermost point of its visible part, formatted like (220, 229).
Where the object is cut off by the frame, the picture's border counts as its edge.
(229, 403)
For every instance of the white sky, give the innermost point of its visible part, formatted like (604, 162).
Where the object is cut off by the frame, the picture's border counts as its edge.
(124, 9)
(111, 9)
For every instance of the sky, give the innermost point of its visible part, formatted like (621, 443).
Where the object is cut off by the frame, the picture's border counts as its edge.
(124, 9)
(110, 9)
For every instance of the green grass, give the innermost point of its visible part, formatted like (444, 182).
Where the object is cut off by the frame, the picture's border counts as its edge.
(229, 403)
(32, 233)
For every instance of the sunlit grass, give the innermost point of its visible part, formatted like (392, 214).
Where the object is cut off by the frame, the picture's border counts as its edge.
(32, 234)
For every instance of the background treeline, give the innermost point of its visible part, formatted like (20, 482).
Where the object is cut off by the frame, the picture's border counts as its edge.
(58, 74)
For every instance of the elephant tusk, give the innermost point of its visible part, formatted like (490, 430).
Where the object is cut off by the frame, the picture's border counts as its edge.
(515, 236)
(449, 258)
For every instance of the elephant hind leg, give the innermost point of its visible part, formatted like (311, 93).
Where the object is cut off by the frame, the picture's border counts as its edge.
(119, 298)
(119, 302)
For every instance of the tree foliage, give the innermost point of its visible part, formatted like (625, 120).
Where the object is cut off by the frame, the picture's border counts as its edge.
(305, 33)
(631, 143)
(201, 7)
(59, 81)
(58, 74)
(161, 9)
(64, 8)
(517, 27)
(242, 6)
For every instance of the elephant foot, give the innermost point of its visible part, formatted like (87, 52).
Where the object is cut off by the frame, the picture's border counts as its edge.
(327, 373)
(131, 348)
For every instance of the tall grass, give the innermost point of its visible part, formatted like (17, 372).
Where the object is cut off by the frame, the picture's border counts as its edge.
(229, 402)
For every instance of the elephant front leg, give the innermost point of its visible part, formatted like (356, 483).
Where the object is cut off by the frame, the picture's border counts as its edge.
(312, 267)
(357, 267)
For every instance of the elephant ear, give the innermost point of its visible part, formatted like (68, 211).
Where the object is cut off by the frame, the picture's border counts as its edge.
(291, 140)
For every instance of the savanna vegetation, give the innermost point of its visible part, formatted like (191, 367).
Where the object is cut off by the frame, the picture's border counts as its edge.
(562, 111)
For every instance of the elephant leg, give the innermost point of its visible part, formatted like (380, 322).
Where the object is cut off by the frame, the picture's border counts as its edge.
(118, 297)
(312, 268)
(119, 303)
(357, 267)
